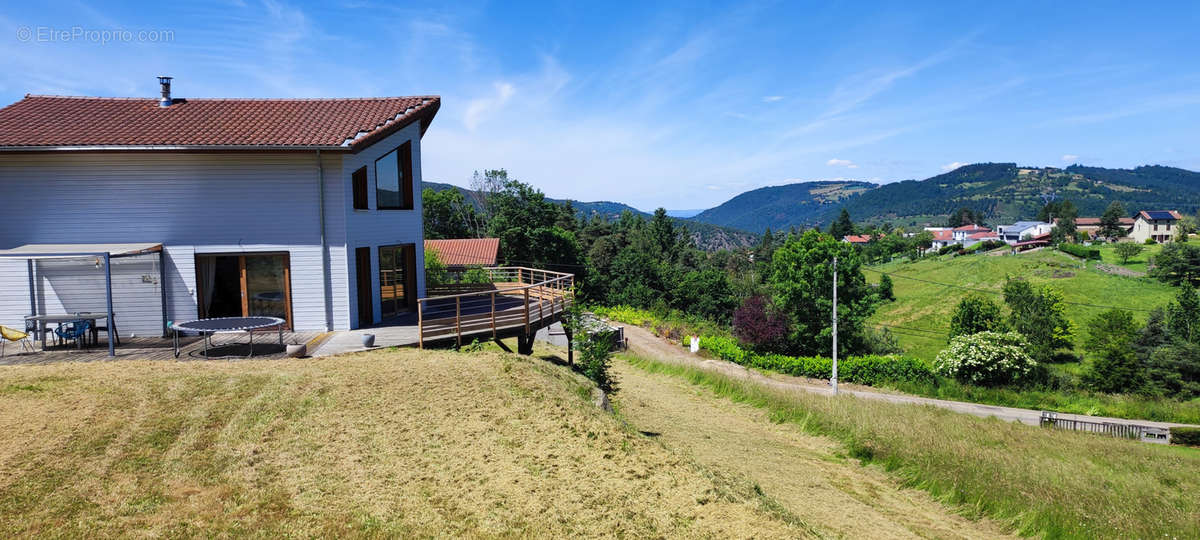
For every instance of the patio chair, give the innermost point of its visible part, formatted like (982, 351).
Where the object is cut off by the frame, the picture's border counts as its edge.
(12, 334)
(74, 330)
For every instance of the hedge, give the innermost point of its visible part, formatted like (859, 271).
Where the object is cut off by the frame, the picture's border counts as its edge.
(1080, 251)
(1188, 436)
(868, 370)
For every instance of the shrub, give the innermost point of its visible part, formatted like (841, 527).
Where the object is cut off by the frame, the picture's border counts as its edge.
(950, 248)
(975, 314)
(1188, 436)
(986, 359)
(886, 288)
(1082, 252)
(758, 325)
(1150, 242)
(1127, 250)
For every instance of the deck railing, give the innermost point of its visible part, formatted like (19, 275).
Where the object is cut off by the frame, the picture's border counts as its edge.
(1122, 430)
(518, 299)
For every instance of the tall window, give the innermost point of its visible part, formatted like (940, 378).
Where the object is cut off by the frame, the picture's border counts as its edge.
(397, 279)
(359, 180)
(393, 179)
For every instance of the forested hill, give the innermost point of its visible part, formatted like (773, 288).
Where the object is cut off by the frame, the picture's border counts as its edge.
(707, 236)
(781, 207)
(1002, 192)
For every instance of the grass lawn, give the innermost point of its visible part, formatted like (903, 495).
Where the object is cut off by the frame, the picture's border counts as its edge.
(387, 443)
(1138, 263)
(1044, 483)
(922, 310)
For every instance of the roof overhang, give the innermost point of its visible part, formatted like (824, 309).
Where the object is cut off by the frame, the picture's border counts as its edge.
(49, 251)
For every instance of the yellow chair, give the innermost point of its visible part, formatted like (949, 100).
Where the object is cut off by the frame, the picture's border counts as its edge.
(12, 334)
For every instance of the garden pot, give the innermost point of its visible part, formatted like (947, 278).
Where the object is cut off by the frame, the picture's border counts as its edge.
(296, 351)
(368, 340)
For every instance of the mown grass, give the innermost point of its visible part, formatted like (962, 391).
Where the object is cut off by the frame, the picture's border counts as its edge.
(398, 443)
(923, 309)
(1138, 263)
(1044, 483)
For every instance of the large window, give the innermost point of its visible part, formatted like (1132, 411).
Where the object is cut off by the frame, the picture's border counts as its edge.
(397, 279)
(393, 179)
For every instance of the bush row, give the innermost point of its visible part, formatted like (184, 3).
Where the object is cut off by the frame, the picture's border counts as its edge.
(1080, 251)
(869, 370)
(1188, 436)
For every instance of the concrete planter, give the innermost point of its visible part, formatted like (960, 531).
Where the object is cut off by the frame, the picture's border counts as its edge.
(296, 351)
(368, 340)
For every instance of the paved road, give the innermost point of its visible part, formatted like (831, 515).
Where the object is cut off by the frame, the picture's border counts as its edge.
(644, 343)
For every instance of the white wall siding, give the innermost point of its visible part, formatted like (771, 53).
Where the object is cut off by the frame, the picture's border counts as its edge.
(376, 228)
(191, 203)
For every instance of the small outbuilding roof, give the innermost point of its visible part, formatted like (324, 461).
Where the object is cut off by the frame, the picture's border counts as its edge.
(466, 251)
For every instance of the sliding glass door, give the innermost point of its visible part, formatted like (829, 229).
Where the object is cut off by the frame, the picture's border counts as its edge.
(237, 285)
(397, 279)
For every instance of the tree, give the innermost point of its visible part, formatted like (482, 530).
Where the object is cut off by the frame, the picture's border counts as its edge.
(1183, 315)
(1040, 315)
(1178, 264)
(1065, 212)
(975, 314)
(802, 278)
(706, 293)
(1110, 221)
(842, 226)
(1109, 328)
(435, 270)
(447, 214)
(1185, 228)
(1127, 250)
(1111, 338)
(964, 216)
(922, 241)
(758, 325)
(886, 291)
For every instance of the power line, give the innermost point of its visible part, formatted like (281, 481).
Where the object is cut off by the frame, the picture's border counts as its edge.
(988, 291)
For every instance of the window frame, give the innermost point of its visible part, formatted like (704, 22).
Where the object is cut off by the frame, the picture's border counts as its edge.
(404, 167)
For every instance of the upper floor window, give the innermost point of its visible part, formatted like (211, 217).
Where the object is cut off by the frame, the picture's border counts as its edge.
(393, 179)
(359, 180)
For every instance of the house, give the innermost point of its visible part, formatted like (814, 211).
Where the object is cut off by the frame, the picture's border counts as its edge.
(942, 237)
(983, 236)
(303, 209)
(462, 253)
(1014, 233)
(962, 233)
(858, 239)
(1091, 225)
(1161, 225)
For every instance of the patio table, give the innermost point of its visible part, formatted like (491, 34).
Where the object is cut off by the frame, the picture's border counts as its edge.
(92, 317)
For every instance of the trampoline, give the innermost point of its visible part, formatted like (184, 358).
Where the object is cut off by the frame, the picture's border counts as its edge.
(227, 325)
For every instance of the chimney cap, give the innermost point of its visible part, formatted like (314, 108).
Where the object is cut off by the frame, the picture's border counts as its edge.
(165, 82)
(163, 79)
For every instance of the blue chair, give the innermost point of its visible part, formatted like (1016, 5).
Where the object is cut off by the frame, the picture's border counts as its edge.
(74, 330)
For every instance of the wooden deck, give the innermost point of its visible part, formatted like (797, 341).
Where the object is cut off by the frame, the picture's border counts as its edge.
(227, 346)
(519, 302)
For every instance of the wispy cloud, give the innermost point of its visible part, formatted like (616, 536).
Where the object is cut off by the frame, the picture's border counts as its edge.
(1155, 104)
(835, 162)
(772, 99)
(1069, 158)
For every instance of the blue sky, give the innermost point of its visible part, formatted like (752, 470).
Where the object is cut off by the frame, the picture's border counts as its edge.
(677, 105)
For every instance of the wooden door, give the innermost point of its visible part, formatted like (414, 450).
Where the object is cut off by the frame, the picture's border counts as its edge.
(366, 308)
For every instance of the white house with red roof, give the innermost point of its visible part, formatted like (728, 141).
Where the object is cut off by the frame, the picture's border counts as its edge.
(305, 209)
(1160, 225)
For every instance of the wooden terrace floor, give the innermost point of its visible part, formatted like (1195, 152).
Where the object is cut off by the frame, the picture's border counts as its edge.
(234, 346)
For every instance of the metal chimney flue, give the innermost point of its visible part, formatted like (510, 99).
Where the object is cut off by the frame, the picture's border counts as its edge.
(165, 83)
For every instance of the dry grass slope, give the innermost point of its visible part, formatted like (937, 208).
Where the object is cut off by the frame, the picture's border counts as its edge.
(397, 443)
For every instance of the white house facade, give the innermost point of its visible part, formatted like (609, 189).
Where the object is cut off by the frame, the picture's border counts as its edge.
(302, 209)
(1014, 233)
(1159, 225)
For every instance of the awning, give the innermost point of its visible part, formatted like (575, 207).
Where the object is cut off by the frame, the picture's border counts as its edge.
(41, 251)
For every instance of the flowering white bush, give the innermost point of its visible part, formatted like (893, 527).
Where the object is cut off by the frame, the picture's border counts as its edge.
(986, 358)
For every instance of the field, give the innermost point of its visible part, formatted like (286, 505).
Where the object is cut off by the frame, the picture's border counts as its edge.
(1044, 483)
(1108, 254)
(920, 316)
(389, 443)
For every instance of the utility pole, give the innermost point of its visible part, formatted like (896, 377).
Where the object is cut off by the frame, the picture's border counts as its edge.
(835, 388)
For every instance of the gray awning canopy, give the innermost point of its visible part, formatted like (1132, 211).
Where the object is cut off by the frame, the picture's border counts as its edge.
(32, 252)
(44, 251)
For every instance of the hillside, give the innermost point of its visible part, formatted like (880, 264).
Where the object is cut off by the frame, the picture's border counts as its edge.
(920, 316)
(707, 236)
(1002, 192)
(383, 444)
(781, 207)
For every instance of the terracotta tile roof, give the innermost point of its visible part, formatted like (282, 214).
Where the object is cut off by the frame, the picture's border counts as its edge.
(857, 238)
(465, 251)
(943, 235)
(982, 235)
(972, 227)
(1095, 221)
(39, 122)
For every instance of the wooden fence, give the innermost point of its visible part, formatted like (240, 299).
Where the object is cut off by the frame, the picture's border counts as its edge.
(519, 301)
